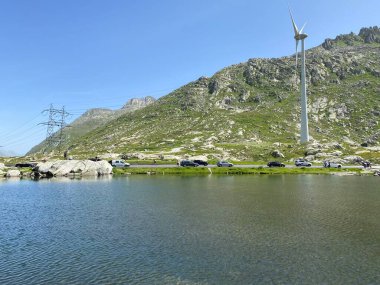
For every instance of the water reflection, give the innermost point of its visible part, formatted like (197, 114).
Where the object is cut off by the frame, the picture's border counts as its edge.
(191, 230)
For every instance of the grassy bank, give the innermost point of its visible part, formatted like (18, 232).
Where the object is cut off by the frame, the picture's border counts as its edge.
(231, 171)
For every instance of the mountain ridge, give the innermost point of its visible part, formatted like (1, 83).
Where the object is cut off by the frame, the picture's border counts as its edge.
(248, 109)
(94, 118)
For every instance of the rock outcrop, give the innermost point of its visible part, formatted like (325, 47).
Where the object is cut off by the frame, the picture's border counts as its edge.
(138, 103)
(370, 35)
(73, 167)
(277, 154)
(13, 173)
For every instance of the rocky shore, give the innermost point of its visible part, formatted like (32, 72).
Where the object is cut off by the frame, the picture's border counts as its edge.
(88, 168)
(61, 168)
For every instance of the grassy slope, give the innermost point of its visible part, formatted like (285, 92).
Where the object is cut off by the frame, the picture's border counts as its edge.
(263, 109)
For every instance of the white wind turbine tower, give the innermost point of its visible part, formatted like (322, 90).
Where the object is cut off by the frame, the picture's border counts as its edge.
(299, 36)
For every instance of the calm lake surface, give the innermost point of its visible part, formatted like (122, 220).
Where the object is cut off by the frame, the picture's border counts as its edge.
(293, 229)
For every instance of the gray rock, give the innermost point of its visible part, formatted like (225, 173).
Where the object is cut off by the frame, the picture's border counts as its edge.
(276, 153)
(138, 103)
(2, 165)
(353, 159)
(310, 158)
(214, 86)
(312, 151)
(81, 167)
(376, 73)
(336, 153)
(328, 44)
(370, 35)
(13, 173)
(337, 146)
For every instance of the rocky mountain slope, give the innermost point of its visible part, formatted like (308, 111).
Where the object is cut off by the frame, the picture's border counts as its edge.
(95, 118)
(251, 110)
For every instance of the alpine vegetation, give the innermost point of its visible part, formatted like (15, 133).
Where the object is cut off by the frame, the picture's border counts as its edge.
(251, 110)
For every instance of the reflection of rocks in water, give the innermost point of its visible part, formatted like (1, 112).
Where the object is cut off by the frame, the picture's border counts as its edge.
(71, 178)
(13, 179)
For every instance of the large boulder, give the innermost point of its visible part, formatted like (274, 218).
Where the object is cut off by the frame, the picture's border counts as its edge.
(103, 167)
(67, 167)
(2, 165)
(276, 153)
(312, 151)
(13, 173)
(352, 159)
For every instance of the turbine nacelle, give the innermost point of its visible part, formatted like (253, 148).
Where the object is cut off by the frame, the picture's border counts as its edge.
(299, 37)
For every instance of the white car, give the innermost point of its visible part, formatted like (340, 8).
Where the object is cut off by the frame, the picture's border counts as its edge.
(302, 163)
(332, 164)
(119, 163)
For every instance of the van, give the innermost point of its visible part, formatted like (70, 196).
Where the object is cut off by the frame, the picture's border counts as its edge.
(185, 163)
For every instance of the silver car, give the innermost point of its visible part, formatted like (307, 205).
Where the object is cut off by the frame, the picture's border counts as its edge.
(302, 163)
(119, 163)
(223, 163)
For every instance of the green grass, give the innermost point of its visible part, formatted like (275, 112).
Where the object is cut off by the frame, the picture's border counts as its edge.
(192, 112)
(230, 171)
(374, 157)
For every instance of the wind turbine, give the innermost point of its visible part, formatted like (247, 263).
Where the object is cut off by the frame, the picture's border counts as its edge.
(300, 36)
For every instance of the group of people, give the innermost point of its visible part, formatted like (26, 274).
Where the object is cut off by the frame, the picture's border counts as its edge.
(326, 163)
(366, 164)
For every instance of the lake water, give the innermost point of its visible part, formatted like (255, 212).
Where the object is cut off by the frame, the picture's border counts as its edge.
(301, 229)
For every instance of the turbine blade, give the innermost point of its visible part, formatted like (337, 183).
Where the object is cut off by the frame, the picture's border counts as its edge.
(303, 27)
(294, 24)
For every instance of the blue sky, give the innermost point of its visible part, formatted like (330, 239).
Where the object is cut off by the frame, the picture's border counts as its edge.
(84, 54)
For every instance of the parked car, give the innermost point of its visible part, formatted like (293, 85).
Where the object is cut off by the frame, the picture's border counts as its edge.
(223, 163)
(119, 163)
(275, 164)
(95, 158)
(188, 163)
(200, 162)
(331, 164)
(25, 164)
(335, 165)
(302, 163)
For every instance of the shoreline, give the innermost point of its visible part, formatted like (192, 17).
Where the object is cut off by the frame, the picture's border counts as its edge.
(238, 171)
(30, 173)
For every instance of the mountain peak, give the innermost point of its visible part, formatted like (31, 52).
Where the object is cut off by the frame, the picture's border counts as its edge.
(139, 102)
(366, 35)
(370, 35)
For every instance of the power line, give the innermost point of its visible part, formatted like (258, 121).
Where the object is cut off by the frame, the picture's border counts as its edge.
(18, 129)
(26, 134)
(26, 138)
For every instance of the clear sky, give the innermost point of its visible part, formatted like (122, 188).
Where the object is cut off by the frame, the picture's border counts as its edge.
(84, 54)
